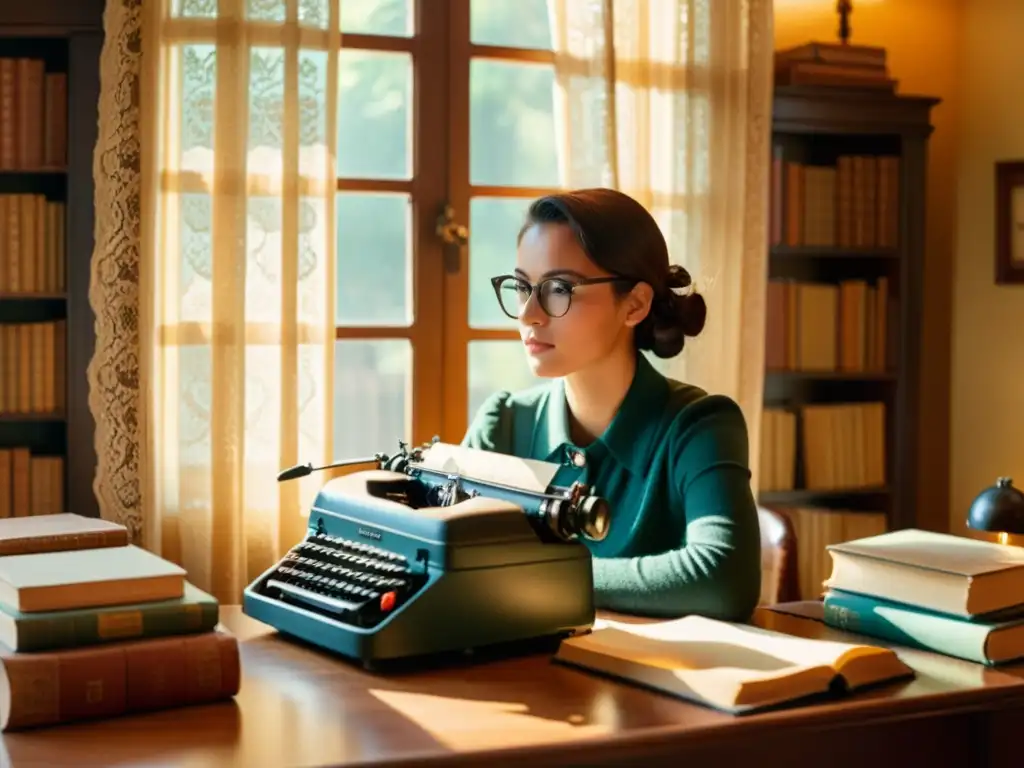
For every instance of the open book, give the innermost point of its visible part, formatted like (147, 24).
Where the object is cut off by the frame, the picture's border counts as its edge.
(731, 667)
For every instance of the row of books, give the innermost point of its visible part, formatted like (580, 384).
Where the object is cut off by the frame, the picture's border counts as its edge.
(842, 326)
(32, 244)
(851, 204)
(33, 116)
(32, 367)
(30, 484)
(818, 528)
(954, 595)
(94, 627)
(842, 446)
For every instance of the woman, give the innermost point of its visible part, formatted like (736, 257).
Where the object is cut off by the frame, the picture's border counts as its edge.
(592, 289)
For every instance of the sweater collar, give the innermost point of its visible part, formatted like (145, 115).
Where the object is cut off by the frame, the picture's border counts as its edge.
(627, 436)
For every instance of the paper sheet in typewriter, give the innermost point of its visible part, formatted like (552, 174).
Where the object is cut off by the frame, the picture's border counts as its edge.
(489, 467)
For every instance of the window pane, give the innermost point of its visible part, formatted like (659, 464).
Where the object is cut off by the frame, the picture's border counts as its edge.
(493, 226)
(495, 365)
(194, 398)
(512, 23)
(265, 10)
(314, 13)
(372, 392)
(377, 17)
(198, 78)
(512, 124)
(264, 251)
(266, 111)
(374, 259)
(193, 300)
(196, 9)
(374, 114)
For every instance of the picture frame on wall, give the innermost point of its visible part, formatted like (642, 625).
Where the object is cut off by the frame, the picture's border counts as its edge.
(1010, 222)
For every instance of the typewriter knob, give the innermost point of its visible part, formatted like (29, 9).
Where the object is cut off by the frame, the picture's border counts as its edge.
(592, 518)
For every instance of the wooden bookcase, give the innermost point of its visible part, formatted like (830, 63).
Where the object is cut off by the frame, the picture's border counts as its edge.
(49, 91)
(846, 241)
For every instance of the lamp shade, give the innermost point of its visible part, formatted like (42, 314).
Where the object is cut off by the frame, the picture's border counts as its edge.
(999, 509)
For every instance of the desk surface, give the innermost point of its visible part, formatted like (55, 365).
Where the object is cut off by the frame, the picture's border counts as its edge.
(298, 706)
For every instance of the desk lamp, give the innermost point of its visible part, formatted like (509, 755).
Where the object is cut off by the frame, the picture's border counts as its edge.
(844, 8)
(998, 509)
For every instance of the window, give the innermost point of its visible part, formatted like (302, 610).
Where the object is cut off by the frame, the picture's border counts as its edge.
(455, 107)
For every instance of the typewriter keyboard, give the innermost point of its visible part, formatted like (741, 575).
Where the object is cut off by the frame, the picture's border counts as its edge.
(348, 580)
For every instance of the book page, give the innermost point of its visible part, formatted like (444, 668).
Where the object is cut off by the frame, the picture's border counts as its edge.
(737, 645)
(490, 467)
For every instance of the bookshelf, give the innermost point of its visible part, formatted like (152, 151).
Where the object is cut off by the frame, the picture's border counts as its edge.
(49, 90)
(839, 449)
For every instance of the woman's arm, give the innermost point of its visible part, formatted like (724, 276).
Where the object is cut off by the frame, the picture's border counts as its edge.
(717, 571)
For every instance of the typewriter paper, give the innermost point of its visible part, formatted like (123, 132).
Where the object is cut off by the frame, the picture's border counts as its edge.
(527, 474)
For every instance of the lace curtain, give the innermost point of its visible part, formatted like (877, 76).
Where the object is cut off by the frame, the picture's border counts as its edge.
(237, 245)
(213, 364)
(114, 293)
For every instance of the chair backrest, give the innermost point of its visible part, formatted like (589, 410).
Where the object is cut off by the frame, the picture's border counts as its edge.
(780, 580)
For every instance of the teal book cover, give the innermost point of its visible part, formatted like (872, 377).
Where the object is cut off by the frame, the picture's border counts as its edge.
(194, 612)
(993, 639)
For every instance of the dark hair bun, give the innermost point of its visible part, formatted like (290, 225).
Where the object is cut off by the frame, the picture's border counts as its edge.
(673, 317)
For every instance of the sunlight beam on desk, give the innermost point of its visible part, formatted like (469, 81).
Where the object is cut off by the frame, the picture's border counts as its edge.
(464, 724)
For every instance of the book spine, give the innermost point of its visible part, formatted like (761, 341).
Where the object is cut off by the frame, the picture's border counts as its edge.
(907, 626)
(74, 629)
(8, 115)
(123, 678)
(63, 542)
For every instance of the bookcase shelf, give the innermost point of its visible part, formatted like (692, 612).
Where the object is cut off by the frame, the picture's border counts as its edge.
(845, 498)
(23, 174)
(36, 296)
(846, 248)
(49, 92)
(825, 252)
(866, 376)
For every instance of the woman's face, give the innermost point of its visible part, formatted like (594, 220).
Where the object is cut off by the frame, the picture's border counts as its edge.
(598, 322)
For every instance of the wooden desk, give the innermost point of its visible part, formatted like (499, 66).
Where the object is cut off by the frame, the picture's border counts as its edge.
(302, 707)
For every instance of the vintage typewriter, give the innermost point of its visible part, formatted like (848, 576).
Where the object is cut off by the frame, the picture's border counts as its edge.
(438, 549)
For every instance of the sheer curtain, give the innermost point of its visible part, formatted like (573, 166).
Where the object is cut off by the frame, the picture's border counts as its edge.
(238, 185)
(670, 102)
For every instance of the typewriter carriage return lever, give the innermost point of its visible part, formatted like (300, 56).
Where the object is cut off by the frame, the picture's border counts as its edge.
(417, 556)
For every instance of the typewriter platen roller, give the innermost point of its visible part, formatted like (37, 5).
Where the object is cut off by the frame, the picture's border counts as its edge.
(438, 549)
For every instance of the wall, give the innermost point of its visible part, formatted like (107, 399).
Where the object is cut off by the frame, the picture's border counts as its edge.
(988, 328)
(923, 39)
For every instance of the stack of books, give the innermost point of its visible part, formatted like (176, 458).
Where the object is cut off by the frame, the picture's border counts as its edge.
(94, 627)
(834, 64)
(949, 594)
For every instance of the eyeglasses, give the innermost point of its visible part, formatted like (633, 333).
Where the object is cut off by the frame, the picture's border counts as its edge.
(554, 293)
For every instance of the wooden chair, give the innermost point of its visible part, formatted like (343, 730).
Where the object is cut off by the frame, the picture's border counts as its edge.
(780, 582)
